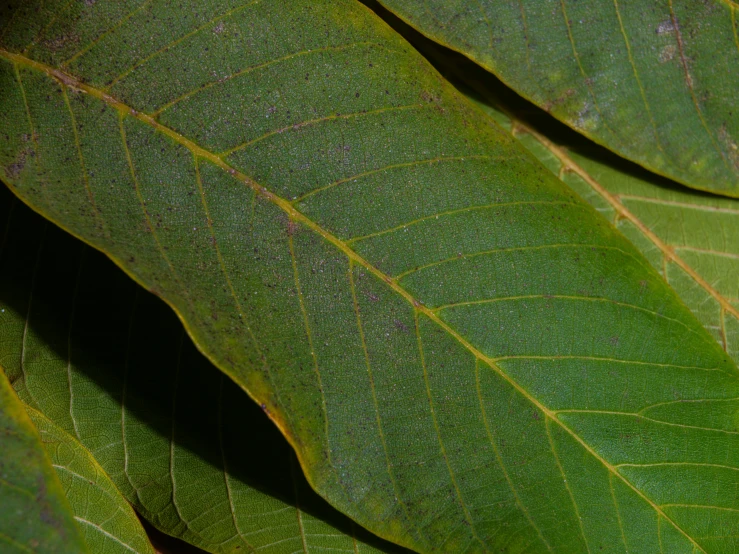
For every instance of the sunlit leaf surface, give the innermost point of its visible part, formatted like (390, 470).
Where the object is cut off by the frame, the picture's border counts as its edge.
(108, 523)
(35, 516)
(690, 237)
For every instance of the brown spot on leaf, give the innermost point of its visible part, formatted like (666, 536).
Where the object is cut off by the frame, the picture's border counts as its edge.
(14, 169)
(401, 326)
(667, 53)
(561, 98)
(58, 43)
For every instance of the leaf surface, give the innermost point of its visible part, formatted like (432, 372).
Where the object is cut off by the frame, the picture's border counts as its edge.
(653, 81)
(108, 523)
(465, 355)
(689, 237)
(34, 515)
(139, 410)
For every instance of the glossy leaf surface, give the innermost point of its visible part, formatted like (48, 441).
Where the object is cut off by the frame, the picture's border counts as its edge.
(35, 515)
(465, 356)
(112, 366)
(108, 523)
(655, 81)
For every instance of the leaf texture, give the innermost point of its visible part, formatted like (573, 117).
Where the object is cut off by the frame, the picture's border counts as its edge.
(140, 410)
(653, 81)
(689, 237)
(35, 515)
(108, 523)
(465, 356)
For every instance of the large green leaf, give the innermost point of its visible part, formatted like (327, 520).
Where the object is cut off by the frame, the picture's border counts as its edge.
(690, 237)
(465, 356)
(655, 81)
(34, 515)
(108, 523)
(111, 365)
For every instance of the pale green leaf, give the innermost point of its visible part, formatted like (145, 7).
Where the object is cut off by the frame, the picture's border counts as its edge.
(34, 515)
(106, 520)
(465, 355)
(655, 81)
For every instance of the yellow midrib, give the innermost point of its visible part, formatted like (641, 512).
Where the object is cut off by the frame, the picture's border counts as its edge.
(74, 83)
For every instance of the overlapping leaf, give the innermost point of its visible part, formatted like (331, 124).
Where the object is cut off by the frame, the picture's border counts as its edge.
(107, 522)
(689, 237)
(464, 354)
(654, 81)
(35, 515)
(111, 365)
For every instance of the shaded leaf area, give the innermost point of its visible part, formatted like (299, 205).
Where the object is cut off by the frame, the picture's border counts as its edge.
(654, 81)
(34, 515)
(108, 523)
(167, 544)
(465, 355)
(690, 237)
(112, 367)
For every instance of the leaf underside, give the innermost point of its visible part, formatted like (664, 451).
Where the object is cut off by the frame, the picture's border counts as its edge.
(654, 81)
(138, 409)
(465, 356)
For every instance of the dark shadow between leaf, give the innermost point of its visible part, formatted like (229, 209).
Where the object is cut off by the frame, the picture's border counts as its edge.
(133, 347)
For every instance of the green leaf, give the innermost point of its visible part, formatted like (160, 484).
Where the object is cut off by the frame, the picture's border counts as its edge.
(34, 515)
(465, 356)
(112, 366)
(108, 523)
(653, 81)
(690, 237)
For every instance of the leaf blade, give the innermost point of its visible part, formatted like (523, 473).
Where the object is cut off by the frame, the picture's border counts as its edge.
(36, 516)
(185, 446)
(109, 525)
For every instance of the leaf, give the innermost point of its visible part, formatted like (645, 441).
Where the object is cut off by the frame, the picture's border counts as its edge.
(465, 356)
(108, 523)
(655, 82)
(111, 365)
(689, 237)
(35, 515)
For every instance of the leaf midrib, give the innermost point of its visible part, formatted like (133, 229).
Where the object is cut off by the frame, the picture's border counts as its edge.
(71, 82)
